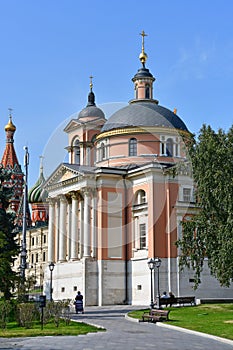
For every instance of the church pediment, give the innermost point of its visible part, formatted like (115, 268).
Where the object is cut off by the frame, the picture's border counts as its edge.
(66, 173)
(61, 174)
(72, 125)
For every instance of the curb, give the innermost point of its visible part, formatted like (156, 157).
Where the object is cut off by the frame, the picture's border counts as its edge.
(205, 335)
(184, 330)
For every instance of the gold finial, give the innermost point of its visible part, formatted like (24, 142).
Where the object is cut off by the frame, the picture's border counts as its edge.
(10, 126)
(175, 110)
(91, 84)
(143, 55)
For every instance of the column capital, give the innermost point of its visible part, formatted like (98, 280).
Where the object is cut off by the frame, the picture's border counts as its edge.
(75, 195)
(62, 198)
(51, 201)
(87, 191)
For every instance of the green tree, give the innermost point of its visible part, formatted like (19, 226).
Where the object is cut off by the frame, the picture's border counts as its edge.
(8, 246)
(209, 234)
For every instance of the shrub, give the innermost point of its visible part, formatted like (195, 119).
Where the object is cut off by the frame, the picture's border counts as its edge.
(27, 313)
(5, 309)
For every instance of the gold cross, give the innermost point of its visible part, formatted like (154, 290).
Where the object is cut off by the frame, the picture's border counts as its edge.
(143, 34)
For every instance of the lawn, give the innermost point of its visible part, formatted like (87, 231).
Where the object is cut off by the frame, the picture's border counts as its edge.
(74, 328)
(214, 319)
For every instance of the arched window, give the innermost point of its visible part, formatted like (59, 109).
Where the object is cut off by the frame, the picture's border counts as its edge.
(102, 151)
(147, 92)
(169, 147)
(76, 152)
(140, 197)
(133, 147)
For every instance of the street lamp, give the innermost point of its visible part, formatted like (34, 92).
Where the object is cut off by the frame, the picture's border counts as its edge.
(157, 263)
(51, 268)
(24, 226)
(151, 265)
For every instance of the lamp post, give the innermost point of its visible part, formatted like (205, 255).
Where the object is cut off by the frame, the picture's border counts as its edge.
(51, 268)
(157, 263)
(151, 265)
(24, 227)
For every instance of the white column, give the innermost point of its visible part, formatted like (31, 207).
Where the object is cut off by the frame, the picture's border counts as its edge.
(93, 225)
(88, 156)
(57, 215)
(74, 227)
(62, 229)
(86, 223)
(68, 229)
(81, 154)
(51, 231)
(80, 229)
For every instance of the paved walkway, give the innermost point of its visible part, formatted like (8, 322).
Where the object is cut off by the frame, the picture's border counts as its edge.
(121, 334)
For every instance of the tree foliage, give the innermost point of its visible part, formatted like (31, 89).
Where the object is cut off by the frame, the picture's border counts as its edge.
(209, 234)
(8, 246)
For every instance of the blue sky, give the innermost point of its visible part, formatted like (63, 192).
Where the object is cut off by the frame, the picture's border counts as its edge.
(49, 48)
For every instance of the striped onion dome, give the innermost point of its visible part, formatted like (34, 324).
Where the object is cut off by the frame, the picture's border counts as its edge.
(37, 194)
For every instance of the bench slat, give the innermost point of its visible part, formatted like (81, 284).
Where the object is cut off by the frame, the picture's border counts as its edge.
(156, 315)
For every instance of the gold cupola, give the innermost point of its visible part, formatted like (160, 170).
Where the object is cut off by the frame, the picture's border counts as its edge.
(10, 126)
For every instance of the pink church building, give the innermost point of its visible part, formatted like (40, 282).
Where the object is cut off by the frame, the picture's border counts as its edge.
(118, 203)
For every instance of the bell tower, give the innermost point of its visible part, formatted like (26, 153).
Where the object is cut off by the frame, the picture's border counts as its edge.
(143, 79)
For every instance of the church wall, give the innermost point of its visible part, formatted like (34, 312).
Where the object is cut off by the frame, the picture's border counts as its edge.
(66, 276)
(208, 288)
(91, 282)
(140, 282)
(113, 284)
(160, 248)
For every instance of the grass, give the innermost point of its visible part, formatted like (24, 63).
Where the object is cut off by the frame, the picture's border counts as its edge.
(214, 319)
(74, 328)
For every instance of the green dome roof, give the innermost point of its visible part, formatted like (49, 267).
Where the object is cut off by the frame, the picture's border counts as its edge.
(37, 194)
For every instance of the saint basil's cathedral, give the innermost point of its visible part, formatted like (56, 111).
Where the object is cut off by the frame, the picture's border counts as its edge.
(116, 203)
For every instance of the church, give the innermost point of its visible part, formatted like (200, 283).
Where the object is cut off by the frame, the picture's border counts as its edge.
(115, 204)
(118, 202)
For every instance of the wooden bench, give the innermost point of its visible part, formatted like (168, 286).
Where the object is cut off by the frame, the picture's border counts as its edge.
(177, 300)
(155, 315)
(186, 300)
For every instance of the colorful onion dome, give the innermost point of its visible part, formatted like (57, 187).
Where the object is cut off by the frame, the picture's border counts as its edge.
(37, 194)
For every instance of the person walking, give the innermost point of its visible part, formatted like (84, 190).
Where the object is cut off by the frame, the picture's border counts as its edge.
(79, 303)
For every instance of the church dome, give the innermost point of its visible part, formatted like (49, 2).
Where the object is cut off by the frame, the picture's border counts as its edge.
(10, 126)
(37, 194)
(144, 114)
(91, 110)
(143, 73)
(144, 111)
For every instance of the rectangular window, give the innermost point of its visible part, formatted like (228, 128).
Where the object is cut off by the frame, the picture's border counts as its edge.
(33, 240)
(37, 257)
(44, 238)
(187, 194)
(32, 258)
(142, 233)
(44, 256)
